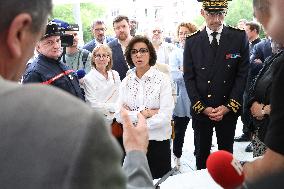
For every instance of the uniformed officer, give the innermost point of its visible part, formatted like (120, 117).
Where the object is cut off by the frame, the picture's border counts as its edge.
(47, 68)
(216, 63)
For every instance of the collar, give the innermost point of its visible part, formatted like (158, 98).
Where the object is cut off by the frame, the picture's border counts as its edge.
(100, 76)
(104, 41)
(150, 73)
(209, 31)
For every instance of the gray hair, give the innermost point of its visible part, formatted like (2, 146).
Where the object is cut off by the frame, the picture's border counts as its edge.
(38, 9)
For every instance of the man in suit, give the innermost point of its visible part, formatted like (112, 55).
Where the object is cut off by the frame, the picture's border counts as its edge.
(98, 30)
(215, 71)
(121, 28)
(43, 143)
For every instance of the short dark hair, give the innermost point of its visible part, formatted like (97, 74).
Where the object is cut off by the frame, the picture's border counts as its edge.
(97, 22)
(38, 9)
(119, 18)
(138, 39)
(253, 26)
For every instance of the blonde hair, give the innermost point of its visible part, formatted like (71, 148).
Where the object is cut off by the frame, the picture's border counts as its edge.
(108, 51)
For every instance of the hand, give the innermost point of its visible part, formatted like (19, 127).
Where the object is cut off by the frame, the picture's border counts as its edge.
(257, 61)
(207, 111)
(126, 107)
(134, 137)
(147, 113)
(267, 109)
(256, 110)
(218, 113)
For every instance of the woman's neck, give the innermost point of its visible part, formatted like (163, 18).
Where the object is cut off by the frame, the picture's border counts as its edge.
(102, 71)
(141, 71)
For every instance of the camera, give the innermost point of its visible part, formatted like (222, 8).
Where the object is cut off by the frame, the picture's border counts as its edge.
(58, 27)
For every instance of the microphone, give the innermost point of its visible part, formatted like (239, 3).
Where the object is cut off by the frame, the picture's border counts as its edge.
(225, 170)
(80, 73)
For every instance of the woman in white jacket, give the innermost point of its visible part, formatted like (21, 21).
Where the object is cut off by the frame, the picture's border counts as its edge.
(101, 84)
(147, 90)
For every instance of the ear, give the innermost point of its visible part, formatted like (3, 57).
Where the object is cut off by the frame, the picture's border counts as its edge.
(16, 35)
(202, 12)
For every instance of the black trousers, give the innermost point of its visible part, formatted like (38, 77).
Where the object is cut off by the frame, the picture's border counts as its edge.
(159, 157)
(180, 129)
(225, 132)
(245, 116)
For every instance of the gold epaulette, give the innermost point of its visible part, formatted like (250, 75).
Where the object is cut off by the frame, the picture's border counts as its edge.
(198, 107)
(192, 34)
(234, 105)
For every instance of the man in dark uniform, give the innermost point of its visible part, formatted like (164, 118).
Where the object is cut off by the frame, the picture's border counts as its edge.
(47, 67)
(216, 63)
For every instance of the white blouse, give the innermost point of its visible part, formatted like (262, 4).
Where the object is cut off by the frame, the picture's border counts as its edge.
(152, 91)
(102, 93)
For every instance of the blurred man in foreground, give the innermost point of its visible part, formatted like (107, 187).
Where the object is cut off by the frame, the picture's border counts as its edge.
(43, 143)
(273, 159)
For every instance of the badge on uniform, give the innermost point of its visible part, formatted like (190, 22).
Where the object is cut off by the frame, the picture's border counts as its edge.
(70, 77)
(233, 56)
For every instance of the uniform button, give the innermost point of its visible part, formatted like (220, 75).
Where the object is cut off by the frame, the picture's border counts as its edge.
(229, 66)
(203, 68)
(224, 96)
(225, 81)
(209, 81)
(209, 96)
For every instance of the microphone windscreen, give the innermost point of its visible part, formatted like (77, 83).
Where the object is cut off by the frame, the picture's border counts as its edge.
(80, 74)
(225, 170)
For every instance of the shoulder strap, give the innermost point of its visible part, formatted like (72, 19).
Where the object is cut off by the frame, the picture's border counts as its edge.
(57, 77)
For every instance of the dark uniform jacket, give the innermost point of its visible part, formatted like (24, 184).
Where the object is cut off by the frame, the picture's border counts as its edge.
(210, 81)
(43, 69)
(119, 63)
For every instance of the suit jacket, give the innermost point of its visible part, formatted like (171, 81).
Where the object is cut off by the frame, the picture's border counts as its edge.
(119, 63)
(92, 44)
(51, 140)
(214, 81)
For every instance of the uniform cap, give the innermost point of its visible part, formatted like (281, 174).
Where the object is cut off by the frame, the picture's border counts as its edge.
(52, 29)
(215, 5)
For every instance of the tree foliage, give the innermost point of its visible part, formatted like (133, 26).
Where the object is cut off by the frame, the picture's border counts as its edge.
(237, 9)
(89, 12)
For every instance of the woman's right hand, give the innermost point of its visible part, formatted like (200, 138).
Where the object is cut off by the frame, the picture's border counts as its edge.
(256, 110)
(147, 113)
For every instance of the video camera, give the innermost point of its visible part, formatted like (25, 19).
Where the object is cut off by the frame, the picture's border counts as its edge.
(58, 28)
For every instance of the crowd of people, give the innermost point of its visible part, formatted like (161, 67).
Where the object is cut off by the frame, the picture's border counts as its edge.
(60, 136)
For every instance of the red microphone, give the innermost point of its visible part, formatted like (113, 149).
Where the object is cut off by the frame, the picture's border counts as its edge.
(225, 170)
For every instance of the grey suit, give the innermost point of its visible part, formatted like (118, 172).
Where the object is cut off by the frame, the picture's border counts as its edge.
(51, 140)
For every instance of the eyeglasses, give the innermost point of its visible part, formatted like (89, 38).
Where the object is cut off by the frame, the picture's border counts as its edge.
(100, 29)
(142, 51)
(104, 56)
(214, 14)
(157, 31)
(183, 33)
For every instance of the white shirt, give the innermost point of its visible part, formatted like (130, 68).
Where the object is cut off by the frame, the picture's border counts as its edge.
(218, 36)
(102, 93)
(152, 91)
(163, 52)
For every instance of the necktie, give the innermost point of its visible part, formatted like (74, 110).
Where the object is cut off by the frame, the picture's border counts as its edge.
(214, 43)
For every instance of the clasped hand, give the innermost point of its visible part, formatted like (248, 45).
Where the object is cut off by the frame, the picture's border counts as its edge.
(216, 114)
